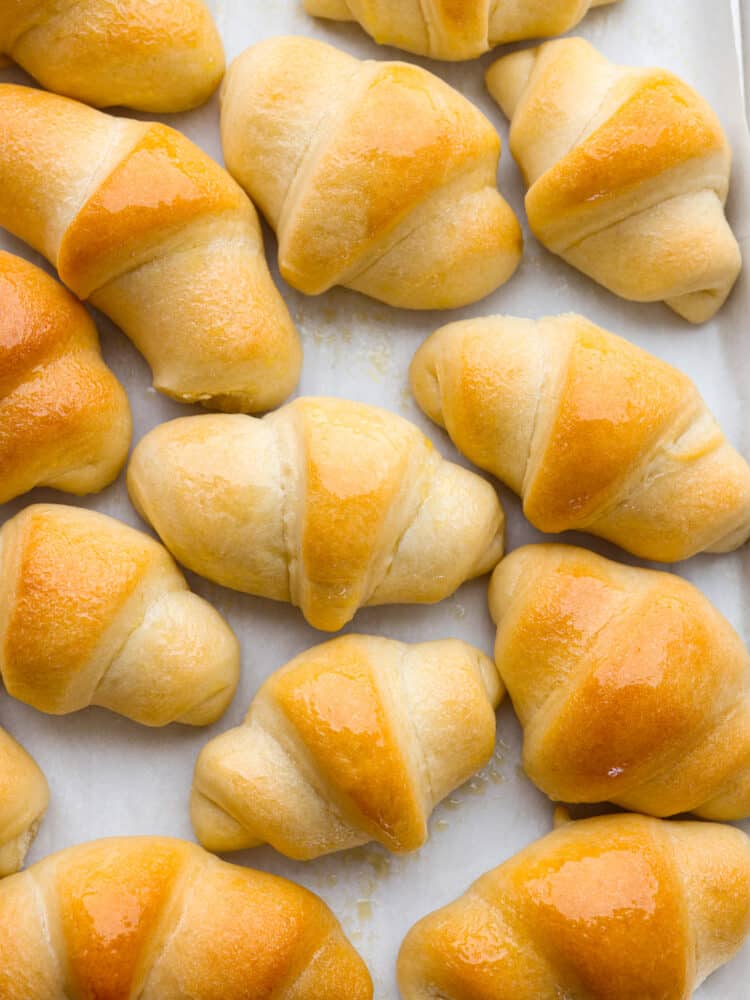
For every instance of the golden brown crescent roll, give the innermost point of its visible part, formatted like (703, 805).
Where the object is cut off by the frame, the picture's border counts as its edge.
(152, 231)
(629, 684)
(160, 919)
(154, 55)
(446, 29)
(329, 504)
(24, 796)
(375, 175)
(64, 417)
(93, 612)
(613, 908)
(355, 740)
(593, 433)
(628, 172)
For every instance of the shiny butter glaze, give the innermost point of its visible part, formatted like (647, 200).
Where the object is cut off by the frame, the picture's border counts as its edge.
(630, 686)
(384, 162)
(377, 176)
(341, 713)
(331, 504)
(63, 414)
(612, 908)
(354, 740)
(161, 919)
(351, 506)
(95, 612)
(661, 126)
(614, 403)
(72, 573)
(162, 185)
(593, 433)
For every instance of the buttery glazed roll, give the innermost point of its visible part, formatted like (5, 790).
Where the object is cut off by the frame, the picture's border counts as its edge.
(594, 434)
(160, 919)
(64, 417)
(153, 55)
(152, 231)
(613, 908)
(93, 612)
(444, 29)
(326, 503)
(629, 684)
(628, 173)
(24, 796)
(375, 175)
(357, 739)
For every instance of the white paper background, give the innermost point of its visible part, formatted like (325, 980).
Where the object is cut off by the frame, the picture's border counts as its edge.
(109, 776)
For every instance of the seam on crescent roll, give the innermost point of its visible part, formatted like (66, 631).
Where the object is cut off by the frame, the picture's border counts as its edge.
(508, 911)
(334, 801)
(614, 74)
(287, 476)
(170, 921)
(552, 705)
(187, 244)
(627, 217)
(120, 649)
(541, 430)
(434, 459)
(359, 270)
(404, 653)
(638, 479)
(287, 988)
(669, 762)
(45, 919)
(96, 176)
(427, 25)
(318, 136)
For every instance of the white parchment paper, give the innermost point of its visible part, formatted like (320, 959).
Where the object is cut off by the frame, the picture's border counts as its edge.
(110, 777)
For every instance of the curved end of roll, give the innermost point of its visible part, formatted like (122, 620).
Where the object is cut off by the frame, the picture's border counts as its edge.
(507, 78)
(209, 661)
(700, 307)
(24, 797)
(215, 829)
(424, 953)
(714, 861)
(454, 259)
(180, 665)
(511, 572)
(491, 680)
(424, 378)
(493, 553)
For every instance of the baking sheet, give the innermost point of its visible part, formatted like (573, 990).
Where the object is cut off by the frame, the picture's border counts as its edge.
(110, 777)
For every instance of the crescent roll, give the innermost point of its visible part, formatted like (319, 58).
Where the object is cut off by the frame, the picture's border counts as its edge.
(374, 175)
(444, 29)
(629, 684)
(628, 173)
(613, 908)
(93, 612)
(160, 919)
(354, 740)
(593, 433)
(153, 55)
(329, 504)
(24, 797)
(148, 228)
(64, 417)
